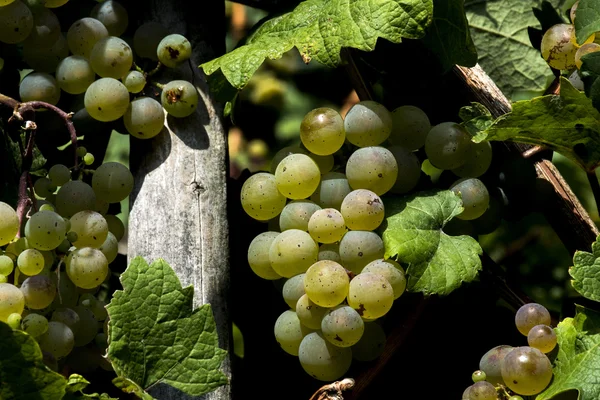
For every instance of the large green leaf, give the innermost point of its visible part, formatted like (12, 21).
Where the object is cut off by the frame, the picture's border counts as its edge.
(319, 29)
(586, 272)
(587, 21)
(567, 123)
(590, 72)
(577, 365)
(438, 263)
(23, 374)
(155, 335)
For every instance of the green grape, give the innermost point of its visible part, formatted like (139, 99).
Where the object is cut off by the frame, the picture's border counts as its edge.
(115, 225)
(6, 265)
(296, 214)
(81, 151)
(96, 306)
(46, 59)
(91, 229)
(58, 339)
(466, 393)
(322, 360)
(474, 195)
(72, 236)
(332, 190)
(34, 324)
(88, 159)
(297, 176)
(46, 28)
(59, 174)
(88, 326)
(478, 376)
(110, 247)
(173, 50)
(409, 170)
(260, 198)
(42, 186)
(68, 317)
(322, 131)
(515, 398)
(358, 248)
(39, 86)
(373, 168)
(530, 315)
(11, 301)
(30, 262)
(367, 123)
(326, 283)
(112, 15)
(258, 255)
(112, 182)
(327, 225)
(283, 153)
(362, 210)
(309, 313)
(3, 279)
(293, 289)
(292, 252)
(559, 46)
(583, 50)
(542, 337)
(342, 326)
(111, 57)
(16, 22)
(325, 163)
(87, 267)
(179, 98)
(101, 341)
(371, 344)
(391, 271)
(526, 371)
(55, 3)
(101, 206)
(83, 35)
(47, 207)
(45, 230)
(134, 81)
(14, 320)
(67, 291)
(5, 2)
(329, 251)
(371, 295)
(39, 291)
(74, 75)
(289, 332)
(145, 118)
(106, 99)
(410, 126)
(447, 145)
(72, 197)
(483, 391)
(146, 39)
(9, 223)
(491, 364)
(478, 160)
(64, 247)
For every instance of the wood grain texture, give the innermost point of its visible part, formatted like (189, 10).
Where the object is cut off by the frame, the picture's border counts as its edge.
(179, 201)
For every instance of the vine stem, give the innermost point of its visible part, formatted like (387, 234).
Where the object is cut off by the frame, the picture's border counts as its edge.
(333, 391)
(593, 179)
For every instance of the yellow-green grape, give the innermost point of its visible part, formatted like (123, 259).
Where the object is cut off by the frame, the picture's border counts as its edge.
(371, 344)
(16, 22)
(42, 186)
(293, 252)
(362, 210)
(258, 255)
(134, 81)
(74, 196)
(112, 15)
(14, 321)
(367, 123)
(111, 57)
(112, 182)
(491, 363)
(55, 3)
(358, 248)
(332, 190)
(260, 198)
(87, 267)
(46, 59)
(583, 50)
(110, 247)
(530, 315)
(88, 326)
(289, 332)
(9, 223)
(144, 118)
(370, 295)
(3, 279)
(309, 313)
(283, 153)
(72, 236)
(30, 262)
(5, 2)
(39, 86)
(39, 291)
(106, 99)
(146, 39)
(326, 283)
(74, 75)
(91, 229)
(483, 391)
(83, 35)
(59, 174)
(179, 98)
(115, 225)
(322, 360)
(297, 176)
(6, 265)
(45, 230)
(447, 145)
(46, 28)
(559, 46)
(477, 162)
(322, 131)
(296, 214)
(329, 251)
(173, 50)
(409, 170)
(542, 337)
(47, 207)
(11, 301)
(327, 225)
(391, 271)
(325, 163)
(58, 339)
(34, 324)
(342, 326)
(373, 168)
(478, 376)
(526, 371)
(292, 290)
(88, 159)
(474, 195)
(410, 126)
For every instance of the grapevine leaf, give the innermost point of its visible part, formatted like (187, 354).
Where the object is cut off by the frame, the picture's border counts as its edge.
(577, 365)
(129, 386)
(586, 272)
(476, 118)
(590, 72)
(319, 29)
(438, 263)
(448, 35)
(566, 123)
(23, 374)
(76, 383)
(74, 390)
(155, 335)
(587, 21)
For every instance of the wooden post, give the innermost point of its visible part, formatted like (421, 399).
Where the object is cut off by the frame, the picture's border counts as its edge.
(179, 201)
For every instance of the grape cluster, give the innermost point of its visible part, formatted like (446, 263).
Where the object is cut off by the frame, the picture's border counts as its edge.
(323, 222)
(60, 261)
(517, 371)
